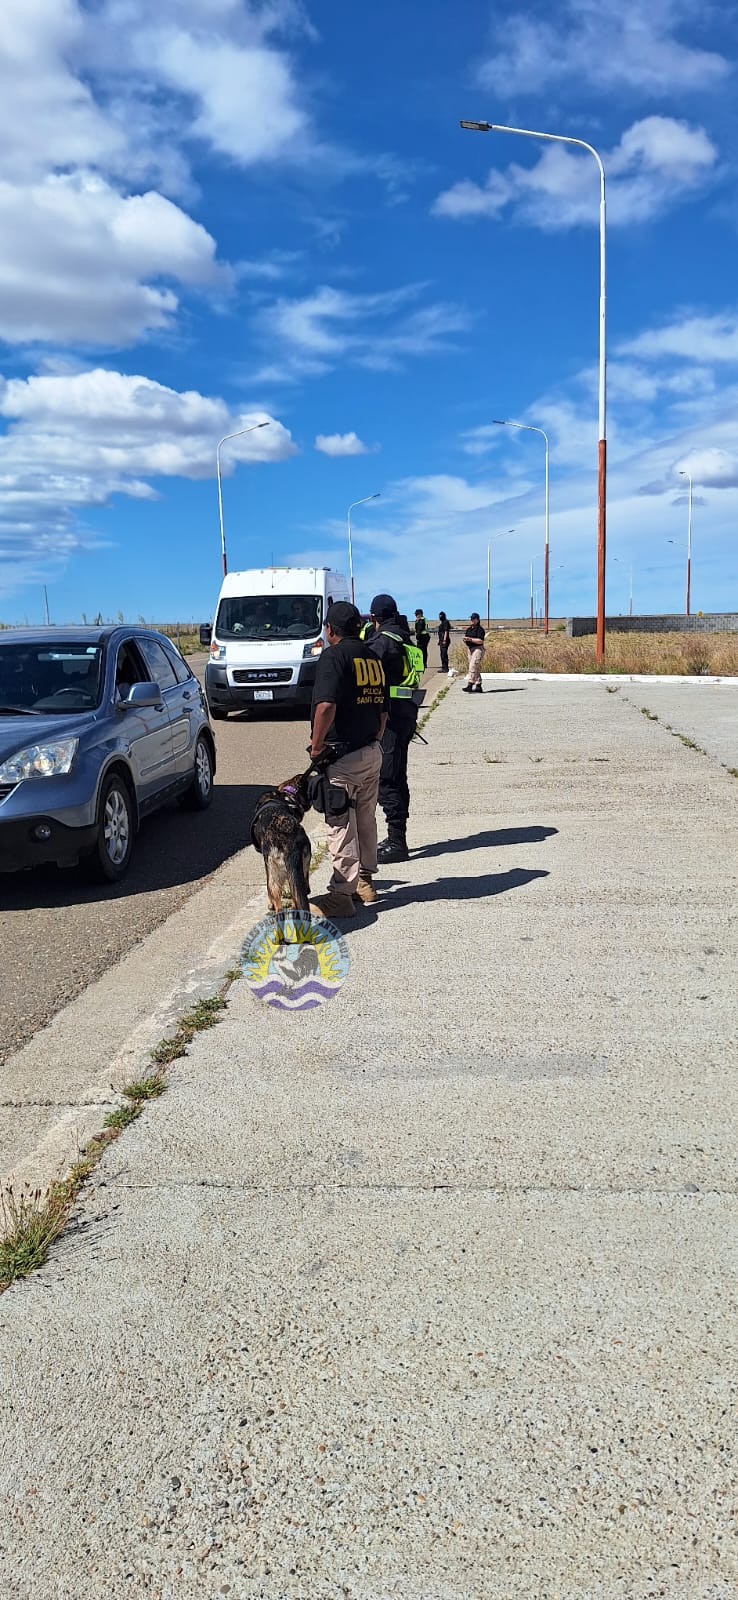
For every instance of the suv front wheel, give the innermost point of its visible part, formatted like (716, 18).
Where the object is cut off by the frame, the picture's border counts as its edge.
(111, 857)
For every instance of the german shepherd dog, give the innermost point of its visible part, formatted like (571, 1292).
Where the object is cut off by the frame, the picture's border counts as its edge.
(277, 831)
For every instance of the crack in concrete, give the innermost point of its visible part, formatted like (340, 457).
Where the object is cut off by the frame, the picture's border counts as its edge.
(331, 1187)
(81, 1105)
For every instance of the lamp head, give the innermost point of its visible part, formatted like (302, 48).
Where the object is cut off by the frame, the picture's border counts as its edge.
(476, 127)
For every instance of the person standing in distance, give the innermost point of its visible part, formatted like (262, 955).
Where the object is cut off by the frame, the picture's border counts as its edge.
(391, 632)
(444, 639)
(422, 635)
(474, 641)
(349, 713)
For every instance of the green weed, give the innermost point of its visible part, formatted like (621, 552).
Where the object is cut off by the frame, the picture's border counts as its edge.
(30, 1221)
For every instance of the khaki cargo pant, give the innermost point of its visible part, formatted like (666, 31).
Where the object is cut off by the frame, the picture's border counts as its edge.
(352, 838)
(474, 674)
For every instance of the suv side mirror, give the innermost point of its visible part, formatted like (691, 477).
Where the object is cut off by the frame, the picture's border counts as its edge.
(206, 634)
(142, 694)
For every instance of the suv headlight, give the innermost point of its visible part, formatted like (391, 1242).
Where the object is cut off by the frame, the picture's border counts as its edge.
(48, 760)
(313, 648)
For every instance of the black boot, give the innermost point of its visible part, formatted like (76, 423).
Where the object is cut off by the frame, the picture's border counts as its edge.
(394, 847)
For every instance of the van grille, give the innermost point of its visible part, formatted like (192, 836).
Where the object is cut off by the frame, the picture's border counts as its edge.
(262, 675)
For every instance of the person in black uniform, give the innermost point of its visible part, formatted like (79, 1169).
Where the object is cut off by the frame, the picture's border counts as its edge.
(394, 795)
(347, 721)
(444, 639)
(422, 635)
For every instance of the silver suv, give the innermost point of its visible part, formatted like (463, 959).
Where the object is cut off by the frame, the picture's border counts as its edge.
(98, 727)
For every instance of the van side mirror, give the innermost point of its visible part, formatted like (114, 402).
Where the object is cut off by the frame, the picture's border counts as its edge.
(206, 634)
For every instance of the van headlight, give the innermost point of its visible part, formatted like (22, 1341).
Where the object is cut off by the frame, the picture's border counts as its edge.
(48, 760)
(217, 652)
(312, 648)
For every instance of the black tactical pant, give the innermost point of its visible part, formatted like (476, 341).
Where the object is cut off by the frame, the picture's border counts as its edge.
(444, 657)
(394, 794)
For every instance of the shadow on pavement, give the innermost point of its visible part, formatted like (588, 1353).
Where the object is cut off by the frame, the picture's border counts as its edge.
(490, 840)
(173, 847)
(482, 888)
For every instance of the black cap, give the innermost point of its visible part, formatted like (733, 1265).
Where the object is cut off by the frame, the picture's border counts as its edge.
(383, 606)
(342, 617)
(474, 616)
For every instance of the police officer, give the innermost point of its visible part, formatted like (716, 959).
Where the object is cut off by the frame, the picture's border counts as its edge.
(348, 716)
(391, 631)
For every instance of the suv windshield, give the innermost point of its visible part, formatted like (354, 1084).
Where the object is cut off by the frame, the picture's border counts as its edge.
(272, 616)
(50, 677)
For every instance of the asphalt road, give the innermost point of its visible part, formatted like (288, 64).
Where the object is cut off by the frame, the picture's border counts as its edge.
(57, 934)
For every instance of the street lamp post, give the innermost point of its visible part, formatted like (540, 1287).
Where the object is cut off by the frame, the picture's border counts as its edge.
(489, 557)
(527, 427)
(558, 138)
(351, 508)
(223, 441)
(684, 474)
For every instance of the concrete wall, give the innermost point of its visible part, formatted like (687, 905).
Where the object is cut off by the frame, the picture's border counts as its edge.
(714, 622)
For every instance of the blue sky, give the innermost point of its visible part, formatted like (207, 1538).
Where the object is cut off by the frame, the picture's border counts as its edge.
(216, 213)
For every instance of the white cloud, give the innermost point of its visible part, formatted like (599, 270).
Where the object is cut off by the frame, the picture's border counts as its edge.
(658, 161)
(82, 263)
(48, 115)
(75, 440)
(712, 468)
(378, 331)
(341, 444)
(440, 493)
(614, 46)
(246, 98)
(691, 338)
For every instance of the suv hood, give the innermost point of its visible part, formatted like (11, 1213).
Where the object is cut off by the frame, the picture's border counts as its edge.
(17, 733)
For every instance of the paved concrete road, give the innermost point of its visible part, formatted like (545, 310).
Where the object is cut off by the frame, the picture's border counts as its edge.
(429, 1294)
(58, 934)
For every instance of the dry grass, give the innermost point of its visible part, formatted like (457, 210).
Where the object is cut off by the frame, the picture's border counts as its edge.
(692, 654)
(30, 1221)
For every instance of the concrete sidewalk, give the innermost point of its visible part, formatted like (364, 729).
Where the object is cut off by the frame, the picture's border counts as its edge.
(426, 1293)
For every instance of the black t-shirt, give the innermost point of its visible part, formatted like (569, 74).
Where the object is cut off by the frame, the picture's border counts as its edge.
(475, 631)
(444, 632)
(350, 677)
(389, 649)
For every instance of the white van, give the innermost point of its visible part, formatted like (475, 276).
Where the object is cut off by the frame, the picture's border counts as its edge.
(267, 636)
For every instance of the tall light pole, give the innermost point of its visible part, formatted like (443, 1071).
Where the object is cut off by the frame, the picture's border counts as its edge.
(559, 138)
(223, 441)
(352, 507)
(684, 474)
(527, 427)
(489, 557)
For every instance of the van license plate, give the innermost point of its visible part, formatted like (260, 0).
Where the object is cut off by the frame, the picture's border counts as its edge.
(263, 694)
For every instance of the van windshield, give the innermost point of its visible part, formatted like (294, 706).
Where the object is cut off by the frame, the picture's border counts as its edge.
(271, 616)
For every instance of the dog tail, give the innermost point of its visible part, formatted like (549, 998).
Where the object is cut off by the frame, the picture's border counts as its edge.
(297, 871)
